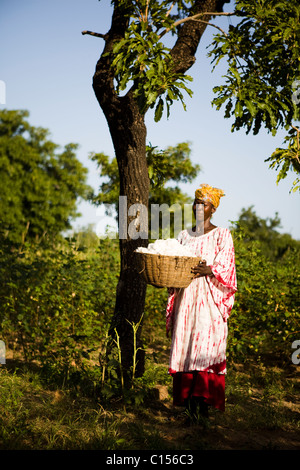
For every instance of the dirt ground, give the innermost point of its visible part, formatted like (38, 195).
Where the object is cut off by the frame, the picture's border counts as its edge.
(259, 418)
(250, 421)
(243, 426)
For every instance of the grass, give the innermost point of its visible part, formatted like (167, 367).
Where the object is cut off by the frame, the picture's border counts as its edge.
(38, 412)
(262, 412)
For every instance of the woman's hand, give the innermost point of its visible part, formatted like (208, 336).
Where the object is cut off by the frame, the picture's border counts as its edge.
(202, 270)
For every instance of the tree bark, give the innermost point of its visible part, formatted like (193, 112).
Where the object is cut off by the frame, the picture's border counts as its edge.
(129, 138)
(128, 132)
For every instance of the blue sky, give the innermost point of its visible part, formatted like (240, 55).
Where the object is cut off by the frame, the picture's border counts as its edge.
(47, 66)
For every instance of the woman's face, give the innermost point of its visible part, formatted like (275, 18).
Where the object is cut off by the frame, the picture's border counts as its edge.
(203, 210)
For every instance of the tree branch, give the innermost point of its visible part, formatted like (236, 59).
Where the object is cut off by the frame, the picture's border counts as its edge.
(298, 143)
(169, 11)
(98, 35)
(214, 25)
(195, 18)
(190, 33)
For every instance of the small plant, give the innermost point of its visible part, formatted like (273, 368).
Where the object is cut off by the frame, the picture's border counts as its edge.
(135, 327)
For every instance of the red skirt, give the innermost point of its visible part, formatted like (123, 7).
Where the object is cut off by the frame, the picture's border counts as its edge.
(209, 385)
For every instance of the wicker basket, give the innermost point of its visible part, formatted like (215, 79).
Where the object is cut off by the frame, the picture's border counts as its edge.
(166, 271)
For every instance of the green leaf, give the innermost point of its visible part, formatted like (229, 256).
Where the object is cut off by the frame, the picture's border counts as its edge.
(238, 111)
(251, 107)
(159, 110)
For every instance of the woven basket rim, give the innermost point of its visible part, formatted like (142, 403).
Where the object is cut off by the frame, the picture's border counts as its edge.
(167, 256)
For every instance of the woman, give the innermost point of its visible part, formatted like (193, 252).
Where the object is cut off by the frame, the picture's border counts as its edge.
(197, 315)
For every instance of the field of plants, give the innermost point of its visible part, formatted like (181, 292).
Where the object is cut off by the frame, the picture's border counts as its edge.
(61, 388)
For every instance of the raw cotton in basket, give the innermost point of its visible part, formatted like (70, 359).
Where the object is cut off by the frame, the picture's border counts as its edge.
(168, 247)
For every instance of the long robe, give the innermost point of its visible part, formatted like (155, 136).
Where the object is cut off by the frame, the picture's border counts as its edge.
(197, 317)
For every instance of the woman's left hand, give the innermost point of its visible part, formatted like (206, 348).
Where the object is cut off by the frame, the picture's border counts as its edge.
(201, 270)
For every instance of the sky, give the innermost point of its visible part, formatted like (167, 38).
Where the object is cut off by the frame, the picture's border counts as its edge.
(47, 66)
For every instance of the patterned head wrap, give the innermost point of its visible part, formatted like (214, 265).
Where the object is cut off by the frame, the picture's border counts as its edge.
(210, 194)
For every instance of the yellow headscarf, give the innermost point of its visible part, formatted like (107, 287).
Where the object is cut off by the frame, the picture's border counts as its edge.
(210, 194)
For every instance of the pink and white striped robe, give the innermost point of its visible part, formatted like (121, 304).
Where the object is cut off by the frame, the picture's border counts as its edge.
(197, 315)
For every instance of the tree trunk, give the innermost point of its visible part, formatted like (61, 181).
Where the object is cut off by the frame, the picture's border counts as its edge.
(128, 132)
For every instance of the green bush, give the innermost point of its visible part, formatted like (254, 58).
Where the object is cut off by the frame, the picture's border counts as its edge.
(56, 306)
(265, 317)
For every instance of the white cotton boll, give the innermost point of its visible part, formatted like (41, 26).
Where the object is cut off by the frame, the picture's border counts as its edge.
(169, 247)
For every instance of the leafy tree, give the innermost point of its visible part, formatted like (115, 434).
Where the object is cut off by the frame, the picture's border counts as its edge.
(85, 239)
(265, 317)
(165, 167)
(262, 81)
(39, 185)
(151, 71)
(251, 228)
(137, 71)
(56, 304)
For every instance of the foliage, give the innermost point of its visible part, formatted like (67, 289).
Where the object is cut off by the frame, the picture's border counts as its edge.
(262, 52)
(85, 239)
(40, 187)
(165, 167)
(168, 166)
(272, 244)
(285, 159)
(137, 70)
(42, 414)
(265, 317)
(143, 59)
(260, 412)
(56, 307)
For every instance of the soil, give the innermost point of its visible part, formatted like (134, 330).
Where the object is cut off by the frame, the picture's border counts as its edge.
(222, 431)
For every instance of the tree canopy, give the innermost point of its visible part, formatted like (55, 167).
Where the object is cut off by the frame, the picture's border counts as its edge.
(252, 228)
(262, 80)
(262, 51)
(165, 167)
(40, 185)
(138, 69)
